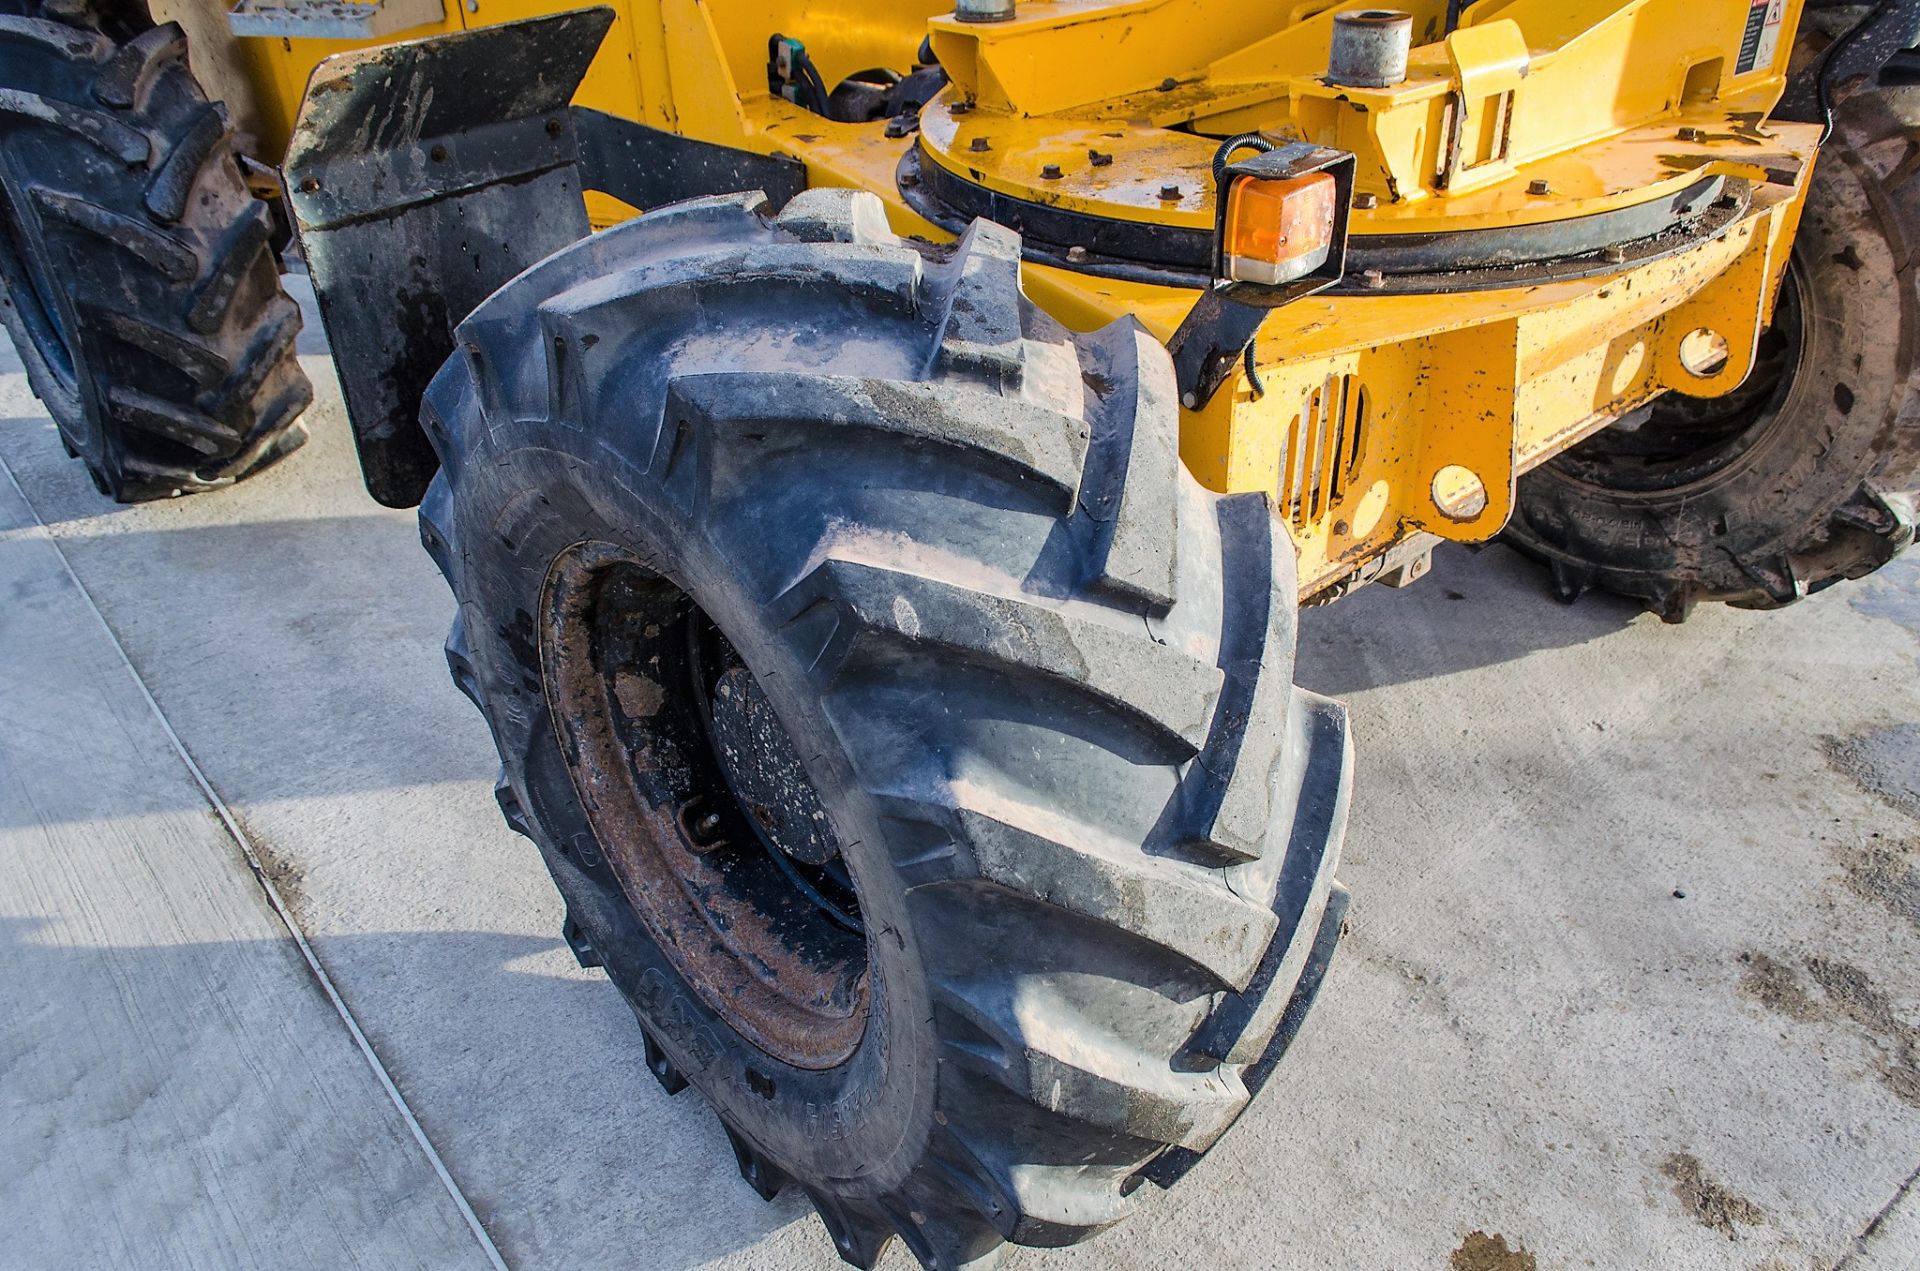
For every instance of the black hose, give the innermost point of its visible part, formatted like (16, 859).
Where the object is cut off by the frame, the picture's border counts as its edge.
(1244, 141)
(802, 77)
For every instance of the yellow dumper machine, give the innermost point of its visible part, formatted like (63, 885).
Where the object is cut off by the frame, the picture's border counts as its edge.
(879, 452)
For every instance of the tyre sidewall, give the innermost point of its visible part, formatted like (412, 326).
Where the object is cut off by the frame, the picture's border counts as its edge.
(864, 1124)
(72, 405)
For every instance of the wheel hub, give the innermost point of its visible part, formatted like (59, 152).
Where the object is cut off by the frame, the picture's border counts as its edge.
(765, 773)
(697, 797)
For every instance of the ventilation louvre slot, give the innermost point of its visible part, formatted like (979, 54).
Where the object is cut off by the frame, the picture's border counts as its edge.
(1323, 446)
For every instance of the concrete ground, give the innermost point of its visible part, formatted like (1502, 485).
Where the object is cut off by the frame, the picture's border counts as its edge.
(1631, 979)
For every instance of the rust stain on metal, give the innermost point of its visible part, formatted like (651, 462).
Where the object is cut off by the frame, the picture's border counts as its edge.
(638, 696)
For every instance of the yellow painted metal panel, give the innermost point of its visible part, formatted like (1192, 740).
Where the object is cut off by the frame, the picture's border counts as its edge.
(1380, 415)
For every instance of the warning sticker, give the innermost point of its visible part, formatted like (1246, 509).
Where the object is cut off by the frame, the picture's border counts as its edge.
(1762, 36)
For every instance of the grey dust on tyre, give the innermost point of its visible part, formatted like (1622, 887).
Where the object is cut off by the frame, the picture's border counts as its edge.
(136, 274)
(1802, 476)
(912, 739)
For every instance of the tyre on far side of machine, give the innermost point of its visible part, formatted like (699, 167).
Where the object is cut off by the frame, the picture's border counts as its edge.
(1802, 476)
(136, 273)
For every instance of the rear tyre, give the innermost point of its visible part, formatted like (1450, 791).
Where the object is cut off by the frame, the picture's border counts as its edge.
(1803, 475)
(136, 274)
(911, 737)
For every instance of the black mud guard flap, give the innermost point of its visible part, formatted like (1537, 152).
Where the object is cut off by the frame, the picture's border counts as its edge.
(423, 175)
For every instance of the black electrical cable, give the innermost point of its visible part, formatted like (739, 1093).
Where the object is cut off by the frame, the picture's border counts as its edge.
(1243, 141)
(803, 77)
(1221, 156)
(808, 75)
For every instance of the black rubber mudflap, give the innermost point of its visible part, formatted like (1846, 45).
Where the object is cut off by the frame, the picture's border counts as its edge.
(140, 285)
(423, 175)
(1038, 675)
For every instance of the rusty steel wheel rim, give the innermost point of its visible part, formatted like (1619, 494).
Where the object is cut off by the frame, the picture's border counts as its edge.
(647, 697)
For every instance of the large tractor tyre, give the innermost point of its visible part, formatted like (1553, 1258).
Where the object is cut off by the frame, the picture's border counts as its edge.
(911, 738)
(136, 277)
(1800, 477)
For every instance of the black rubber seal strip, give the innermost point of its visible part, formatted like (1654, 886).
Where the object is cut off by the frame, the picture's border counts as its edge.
(1377, 264)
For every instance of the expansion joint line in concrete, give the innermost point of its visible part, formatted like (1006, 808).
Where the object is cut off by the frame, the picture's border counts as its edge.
(1901, 1196)
(274, 899)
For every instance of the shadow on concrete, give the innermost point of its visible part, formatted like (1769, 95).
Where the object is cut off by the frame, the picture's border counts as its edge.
(567, 1163)
(299, 658)
(1478, 607)
(59, 487)
(37, 436)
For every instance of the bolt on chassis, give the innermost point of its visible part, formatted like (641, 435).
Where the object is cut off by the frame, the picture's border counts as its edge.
(877, 562)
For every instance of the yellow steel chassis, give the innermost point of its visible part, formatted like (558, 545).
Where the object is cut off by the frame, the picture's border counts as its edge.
(1530, 112)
